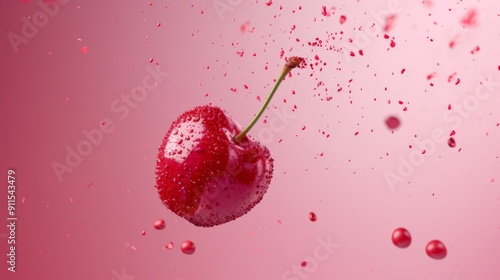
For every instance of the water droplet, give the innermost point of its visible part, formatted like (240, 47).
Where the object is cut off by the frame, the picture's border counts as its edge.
(401, 238)
(143, 233)
(159, 224)
(170, 245)
(436, 250)
(187, 247)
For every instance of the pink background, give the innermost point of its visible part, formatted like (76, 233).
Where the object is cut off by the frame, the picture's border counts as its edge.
(88, 226)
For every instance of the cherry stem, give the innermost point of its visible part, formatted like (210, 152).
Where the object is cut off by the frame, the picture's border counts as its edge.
(292, 63)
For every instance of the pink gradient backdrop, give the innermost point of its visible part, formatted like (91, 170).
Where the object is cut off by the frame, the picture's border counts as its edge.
(88, 226)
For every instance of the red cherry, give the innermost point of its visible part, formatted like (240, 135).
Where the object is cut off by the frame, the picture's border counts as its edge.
(401, 237)
(436, 250)
(203, 175)
(208, 170)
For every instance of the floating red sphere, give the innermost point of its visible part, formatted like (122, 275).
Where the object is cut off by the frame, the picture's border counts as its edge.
(392, 122)
(436, 250)
(159, 224)
(187, 247)
(401, 238)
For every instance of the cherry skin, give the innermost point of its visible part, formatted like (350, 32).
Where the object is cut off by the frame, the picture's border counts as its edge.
(401, 238)
(208, 170)
(206, 177)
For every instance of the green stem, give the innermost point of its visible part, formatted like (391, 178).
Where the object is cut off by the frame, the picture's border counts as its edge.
(242, 134)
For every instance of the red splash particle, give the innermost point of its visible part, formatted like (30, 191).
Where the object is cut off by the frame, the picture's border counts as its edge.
(470, 18)
(85, 49)
(389, 22)
(393, 44)
(392, 122)
(452, 133)
(452, 143)
(303, 264)
(246, 27)
(313, 217)
(454, 41)
(269, 3)
(342, 19)
(475, 50)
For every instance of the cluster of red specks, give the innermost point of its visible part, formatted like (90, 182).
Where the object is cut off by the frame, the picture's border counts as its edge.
(470, 18)
(269, 3)
(327, 12)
